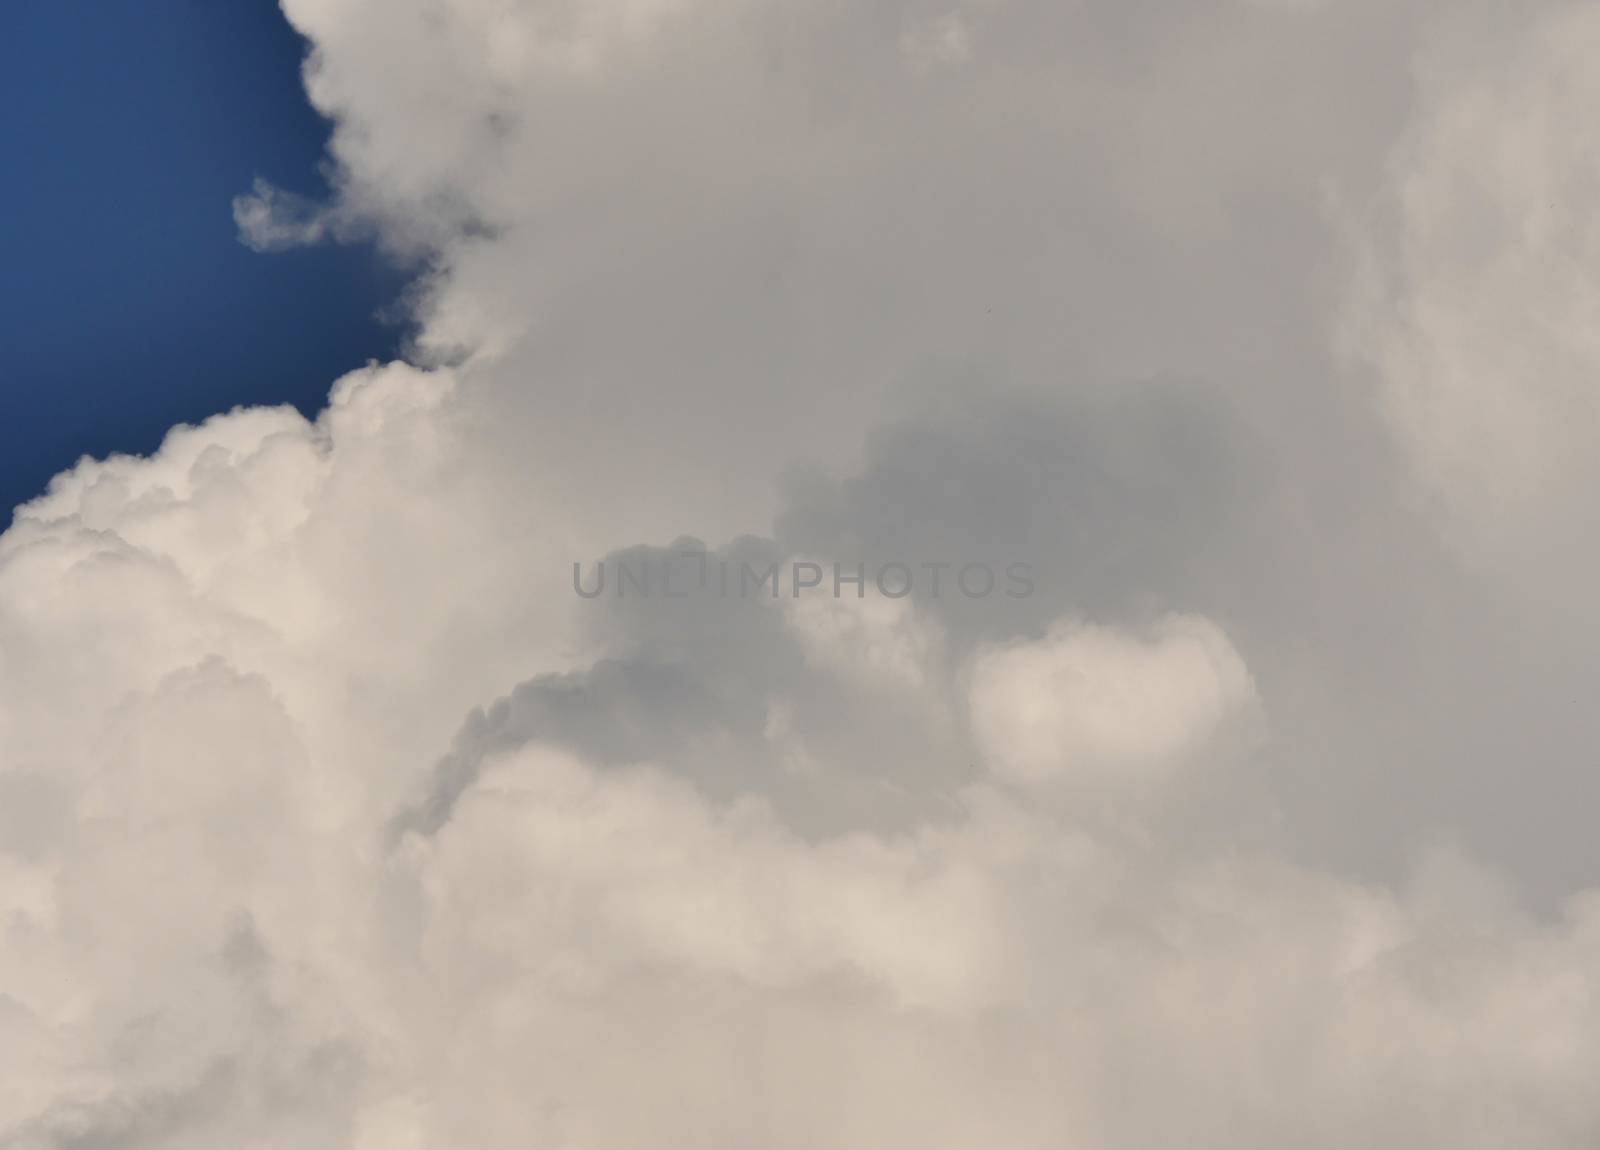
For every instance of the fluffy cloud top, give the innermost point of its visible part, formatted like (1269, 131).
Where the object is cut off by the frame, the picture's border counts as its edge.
(1093, 701)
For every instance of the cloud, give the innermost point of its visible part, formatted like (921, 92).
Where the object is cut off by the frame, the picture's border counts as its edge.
(1094, 701)
(1475, 312)
(330, 815)
(270, 219)
(943, 41)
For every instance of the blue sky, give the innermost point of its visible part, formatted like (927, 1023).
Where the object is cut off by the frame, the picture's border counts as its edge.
(127, 303)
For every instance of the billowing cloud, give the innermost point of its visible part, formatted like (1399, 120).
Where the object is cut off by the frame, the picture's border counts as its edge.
(332, 814)
(1092, 701)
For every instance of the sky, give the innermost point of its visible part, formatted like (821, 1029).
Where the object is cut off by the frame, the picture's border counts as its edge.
(128, 304)
(935, 573)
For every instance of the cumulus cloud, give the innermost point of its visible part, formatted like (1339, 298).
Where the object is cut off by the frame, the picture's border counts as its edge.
(332, 816)
(1094, 701)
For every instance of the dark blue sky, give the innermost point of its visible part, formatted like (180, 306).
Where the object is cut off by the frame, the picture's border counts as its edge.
(127, 303)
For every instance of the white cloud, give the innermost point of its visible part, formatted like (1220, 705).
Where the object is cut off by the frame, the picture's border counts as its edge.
(270, 219)
(1098, 703)
(330, 817)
